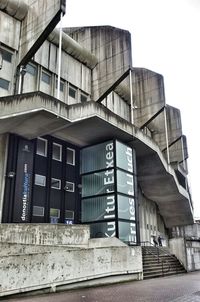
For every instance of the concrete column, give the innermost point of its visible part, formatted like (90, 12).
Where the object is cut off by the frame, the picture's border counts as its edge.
(3, 164)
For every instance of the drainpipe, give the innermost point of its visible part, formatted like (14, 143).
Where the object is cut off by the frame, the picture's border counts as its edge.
(166, 135)
(131, 96)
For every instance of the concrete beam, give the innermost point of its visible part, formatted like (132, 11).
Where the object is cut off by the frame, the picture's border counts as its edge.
(74, 123)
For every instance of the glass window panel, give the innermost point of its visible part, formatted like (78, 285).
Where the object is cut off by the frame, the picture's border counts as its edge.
(4, 84)
(41, 147)
(57, 152)
(125, 183)
(46, 78)
(61, 85)
(98, 208)
(127, 231)
(103, 229)
(72, 92)
(55, 183)
(97, 157)
(126, 207)
(54, 213)
(98, 183)
(124, 156)
(38, 211)
(40, 180)
(6, 55)
(69, 186)
(31, 69)
(70, 156)
(83, 98)
(69, 214)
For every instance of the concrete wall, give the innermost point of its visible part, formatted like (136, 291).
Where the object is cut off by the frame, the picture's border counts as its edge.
(177, 247)
(45, 234)
(193, 254)
(9, 31)
(3, 163)
(112, 47)
(151, 223)
(27, 267)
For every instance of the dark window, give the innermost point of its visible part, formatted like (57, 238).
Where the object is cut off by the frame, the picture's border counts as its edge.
(4, 84)
(83, 98)
(69, 214)
(72, 92)
(31, 69)
(46, 78)
(61, 85)
(6, 55)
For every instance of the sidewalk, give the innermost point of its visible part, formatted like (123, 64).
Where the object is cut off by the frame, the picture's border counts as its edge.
(177, 288)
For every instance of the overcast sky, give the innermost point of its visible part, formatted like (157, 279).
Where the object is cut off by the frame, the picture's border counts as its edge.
(166, 39)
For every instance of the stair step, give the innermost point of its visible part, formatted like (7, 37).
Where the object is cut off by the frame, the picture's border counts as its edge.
(167, 265)
(161, 275)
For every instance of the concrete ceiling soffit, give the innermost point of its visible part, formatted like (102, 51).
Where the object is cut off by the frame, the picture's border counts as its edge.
(41, 19)
(163, 188)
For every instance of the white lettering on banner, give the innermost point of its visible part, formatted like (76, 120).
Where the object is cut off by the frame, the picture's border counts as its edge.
(25, 194)
(129, 156)
(110, 200)
(130, 183)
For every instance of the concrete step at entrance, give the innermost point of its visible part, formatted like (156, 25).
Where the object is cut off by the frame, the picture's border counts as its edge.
(159, 263)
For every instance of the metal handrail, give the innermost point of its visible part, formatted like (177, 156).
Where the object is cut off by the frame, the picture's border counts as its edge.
(159, 256)
(158, 248)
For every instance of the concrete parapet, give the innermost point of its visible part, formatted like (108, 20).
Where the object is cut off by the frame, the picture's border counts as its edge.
(35, 265)
(45, 234)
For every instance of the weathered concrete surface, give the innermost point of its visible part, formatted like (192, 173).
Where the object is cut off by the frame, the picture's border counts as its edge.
(41, 18)
(45, 234)
(177, 247)
(193, 254)
(112, 47)
(9, 30)
(187, 238)
(41, 259)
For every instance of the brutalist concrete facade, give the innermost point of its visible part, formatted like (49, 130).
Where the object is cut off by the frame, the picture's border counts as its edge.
(136, 187)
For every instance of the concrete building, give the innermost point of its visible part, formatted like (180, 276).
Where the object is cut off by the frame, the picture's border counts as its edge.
(92, 142)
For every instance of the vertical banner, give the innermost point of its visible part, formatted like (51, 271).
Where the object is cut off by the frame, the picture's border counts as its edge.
(23, 184)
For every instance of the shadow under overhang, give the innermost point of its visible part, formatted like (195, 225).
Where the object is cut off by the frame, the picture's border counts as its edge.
(90, 123)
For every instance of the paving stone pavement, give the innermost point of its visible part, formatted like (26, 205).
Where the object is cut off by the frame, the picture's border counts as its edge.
(177, 288)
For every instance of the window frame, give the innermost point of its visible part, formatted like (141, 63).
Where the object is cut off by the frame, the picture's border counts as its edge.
(34, 67)
(74, 157)
(38, 215)
(46, 145)
(59, 182)
(60, 158)
(5, 51)
(73, 184)
(44, 72)
(37, 184)
(5, 81)
(73, 88)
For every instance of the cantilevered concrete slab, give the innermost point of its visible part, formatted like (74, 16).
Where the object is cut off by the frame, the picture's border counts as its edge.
(89, 123)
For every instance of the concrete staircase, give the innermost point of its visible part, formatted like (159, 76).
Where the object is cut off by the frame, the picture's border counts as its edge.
(158, 262)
